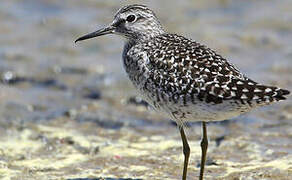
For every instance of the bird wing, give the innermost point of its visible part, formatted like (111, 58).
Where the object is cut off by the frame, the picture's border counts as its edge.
(182, 66)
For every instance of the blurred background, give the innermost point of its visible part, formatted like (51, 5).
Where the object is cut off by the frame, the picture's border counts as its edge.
(68, 111)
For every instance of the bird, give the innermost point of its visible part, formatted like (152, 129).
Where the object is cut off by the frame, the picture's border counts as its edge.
(183, 78)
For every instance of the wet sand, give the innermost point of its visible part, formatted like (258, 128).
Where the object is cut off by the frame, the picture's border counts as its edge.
(68, 111)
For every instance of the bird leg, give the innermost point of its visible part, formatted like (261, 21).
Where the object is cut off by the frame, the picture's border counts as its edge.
(204, 147)
(186, 151)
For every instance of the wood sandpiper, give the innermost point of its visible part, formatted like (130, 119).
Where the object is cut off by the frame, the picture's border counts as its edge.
(181, 77)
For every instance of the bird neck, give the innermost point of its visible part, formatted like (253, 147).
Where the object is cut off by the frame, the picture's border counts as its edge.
(128, 45)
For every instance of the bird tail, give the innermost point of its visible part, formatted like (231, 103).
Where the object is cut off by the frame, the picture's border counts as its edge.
(268, 94)
(280, 94)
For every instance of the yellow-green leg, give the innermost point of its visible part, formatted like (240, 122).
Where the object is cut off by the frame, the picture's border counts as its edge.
(204, 147)
(186, 151)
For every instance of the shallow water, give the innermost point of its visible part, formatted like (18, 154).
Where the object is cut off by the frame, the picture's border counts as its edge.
(68, 110)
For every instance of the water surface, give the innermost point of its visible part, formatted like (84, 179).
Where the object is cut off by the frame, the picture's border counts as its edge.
(68, 111)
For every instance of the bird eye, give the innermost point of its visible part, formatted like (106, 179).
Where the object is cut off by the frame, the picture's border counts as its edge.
(131, 18)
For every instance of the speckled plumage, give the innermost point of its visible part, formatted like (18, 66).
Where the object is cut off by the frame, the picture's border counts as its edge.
(192, 82)
(181, 77)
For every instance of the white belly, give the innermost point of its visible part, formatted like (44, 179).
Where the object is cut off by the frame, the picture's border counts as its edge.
(200, 111)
